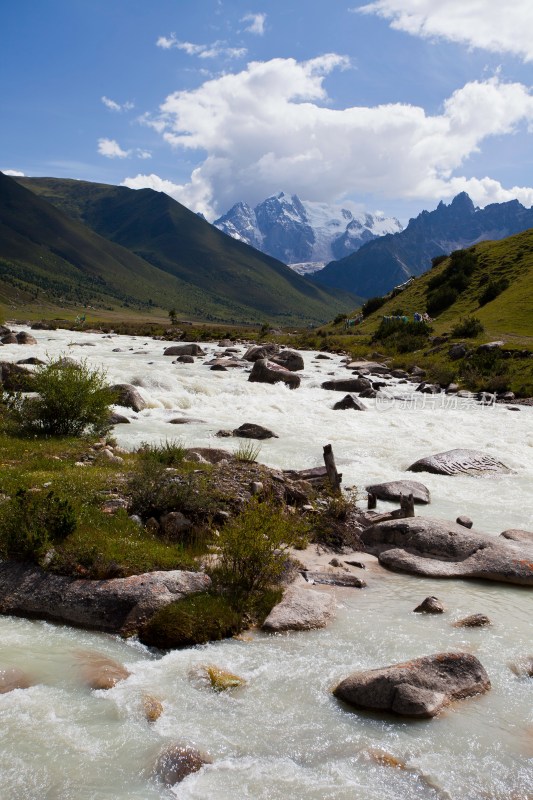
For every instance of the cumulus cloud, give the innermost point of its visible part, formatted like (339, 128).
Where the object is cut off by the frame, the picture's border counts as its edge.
(487, 24)
(256, 23)
(143, 153)
(201, 50)
(114, 106)
(270, 126)
(111, 149)
(13, 173)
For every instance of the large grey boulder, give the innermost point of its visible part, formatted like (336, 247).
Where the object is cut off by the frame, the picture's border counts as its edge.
(257, 351)
(23, 337)
(128, 396)
(184, 350)
(517, 535)
(265, 371)
(417, 688)
(393, 491)
(459, 461)
(119, 605)
(439, 549)
(290, 359)
(357, 384)
(301, 609)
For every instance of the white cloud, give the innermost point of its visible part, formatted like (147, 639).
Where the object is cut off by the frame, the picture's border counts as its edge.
(257, 23)
(201, 50)
(113, 106)
(488, 24)
(143, 153)
(269, 127)
(111, 149)
(13, 173)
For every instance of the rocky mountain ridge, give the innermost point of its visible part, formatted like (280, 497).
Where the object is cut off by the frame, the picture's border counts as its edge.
(301, 233)
(381, 264)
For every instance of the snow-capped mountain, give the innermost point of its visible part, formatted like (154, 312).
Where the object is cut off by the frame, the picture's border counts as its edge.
(304, 234)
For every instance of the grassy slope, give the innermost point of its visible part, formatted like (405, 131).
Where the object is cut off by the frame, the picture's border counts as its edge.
(175, 240)
(509, 316)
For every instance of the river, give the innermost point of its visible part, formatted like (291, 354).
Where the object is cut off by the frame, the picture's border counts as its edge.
(284, 735)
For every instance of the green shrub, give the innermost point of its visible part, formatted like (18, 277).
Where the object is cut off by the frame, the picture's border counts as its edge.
(253, 549)
(71, 399)
(340, 318)
(155, 490)
(487, 370)
(492, 290)
(31, 523)
(468, 328)
(400, 336)
(170, 453)
(195, 620)
(247, 452)
(440, 299)
(372, 304)
(436, 260)
(334, 527)
(443, 289)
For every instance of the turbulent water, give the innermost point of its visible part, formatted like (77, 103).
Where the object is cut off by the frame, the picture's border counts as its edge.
(284, 735)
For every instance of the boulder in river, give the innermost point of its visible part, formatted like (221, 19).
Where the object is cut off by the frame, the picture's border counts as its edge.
(473, 621)
(13, 678)
(15, 378)
(517, 535)
(119, 605)
(457, 462)
(301, 609)
(435, 548)
(128, 396)
(249, 430)
(257, 351)
(417, 688)
(265, 371)
(184, 350)
(349, 401)
(357, 384)
(23, 337)
(290, 359)
(522, 667)
(177, 761)
(394, 490)
(100, 671)
(431, 605)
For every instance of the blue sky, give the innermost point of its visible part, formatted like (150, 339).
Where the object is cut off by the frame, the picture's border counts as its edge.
(394, 104)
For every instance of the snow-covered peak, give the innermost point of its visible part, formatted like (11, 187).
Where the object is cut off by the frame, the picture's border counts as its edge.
(302, 231)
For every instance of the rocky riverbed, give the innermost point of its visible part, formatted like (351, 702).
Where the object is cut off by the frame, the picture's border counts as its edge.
(283, 733)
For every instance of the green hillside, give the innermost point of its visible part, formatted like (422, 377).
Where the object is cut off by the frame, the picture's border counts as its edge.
(220, 279)
(509, 316)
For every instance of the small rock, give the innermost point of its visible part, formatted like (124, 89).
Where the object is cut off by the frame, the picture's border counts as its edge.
(12, 678)
(359, 564)
(224, 434)
(431, 605)
(213, 677)
(152, 707)
(218, 368)
(112, 506)
(473, 621)
(118, 419)
(174, 524)
(250, 430)
(334, 579)
(349, 401)
(393, 491)
(110, 456)
(523, 667)
(99, 671)
(256, 487)
(466, 522)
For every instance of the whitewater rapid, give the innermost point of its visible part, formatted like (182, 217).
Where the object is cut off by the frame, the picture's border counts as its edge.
(284, 735)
